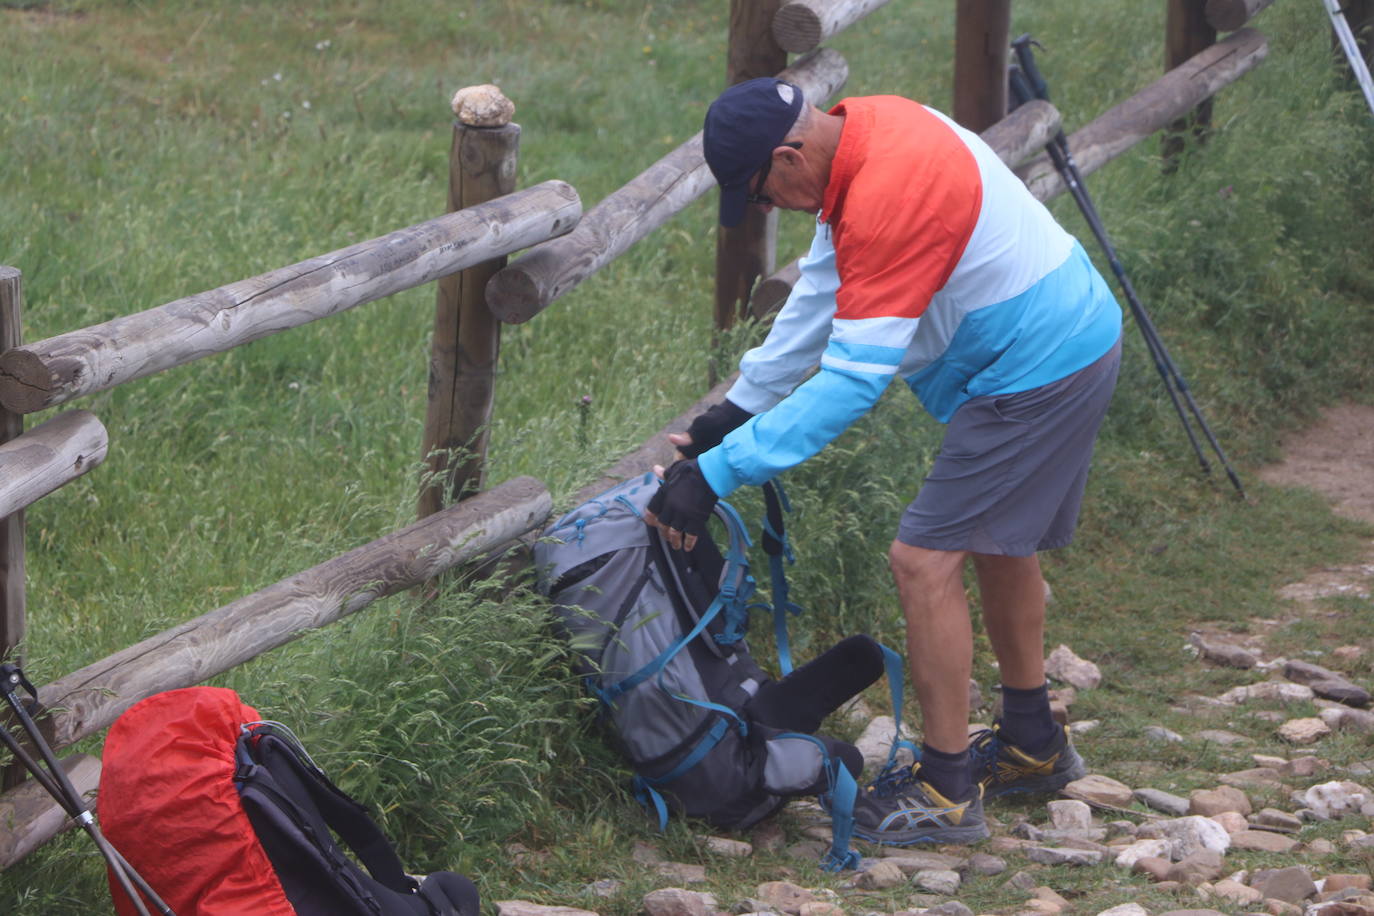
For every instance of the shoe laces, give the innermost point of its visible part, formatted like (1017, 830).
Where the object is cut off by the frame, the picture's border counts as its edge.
(894, 782)
(984, 747)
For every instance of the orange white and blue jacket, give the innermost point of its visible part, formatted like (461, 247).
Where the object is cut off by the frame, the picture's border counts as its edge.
(931, 262)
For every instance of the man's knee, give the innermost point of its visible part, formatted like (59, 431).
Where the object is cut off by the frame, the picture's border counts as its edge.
(922, 568)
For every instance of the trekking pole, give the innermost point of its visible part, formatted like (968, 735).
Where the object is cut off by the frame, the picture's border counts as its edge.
(1027, 84)
(1351, 49)
(60, 788)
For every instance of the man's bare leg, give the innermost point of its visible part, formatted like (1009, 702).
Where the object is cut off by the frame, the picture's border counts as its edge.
(1013, 593)
(939, 639)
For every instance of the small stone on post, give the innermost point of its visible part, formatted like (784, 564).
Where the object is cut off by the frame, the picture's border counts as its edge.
(482, 106)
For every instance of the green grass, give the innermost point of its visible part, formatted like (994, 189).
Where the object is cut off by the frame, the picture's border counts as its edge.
(157, 149)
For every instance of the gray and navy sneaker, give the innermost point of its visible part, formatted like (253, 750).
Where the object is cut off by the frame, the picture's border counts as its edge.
(1002, 768)
(901, 809)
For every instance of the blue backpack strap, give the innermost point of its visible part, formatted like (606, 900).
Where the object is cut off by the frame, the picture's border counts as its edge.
(896, 680)
(738, 585)
(839, 801)
(740, 724)
(645, 786)
(779, 548)
(615, 691)
(648, 796)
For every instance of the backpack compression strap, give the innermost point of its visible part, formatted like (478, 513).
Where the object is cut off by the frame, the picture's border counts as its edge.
(778, 548)
(839, 801)
(896, 679)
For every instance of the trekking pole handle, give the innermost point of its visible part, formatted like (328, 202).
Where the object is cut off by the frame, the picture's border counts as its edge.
(1019, 87)
(1026, 58)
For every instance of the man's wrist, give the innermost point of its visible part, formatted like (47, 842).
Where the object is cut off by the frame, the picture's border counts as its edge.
(716, 471)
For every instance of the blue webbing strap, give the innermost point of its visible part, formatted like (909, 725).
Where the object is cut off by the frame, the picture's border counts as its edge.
(839, 801)
(615, 691)
(896, 679)
(728, 599)
(648, 796)
(779, 548)
(844, 790)
(781, 608)
(740, 724)
(736, 567)
(644, 785)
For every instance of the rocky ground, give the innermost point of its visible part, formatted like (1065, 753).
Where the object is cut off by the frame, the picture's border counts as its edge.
(1305, 818)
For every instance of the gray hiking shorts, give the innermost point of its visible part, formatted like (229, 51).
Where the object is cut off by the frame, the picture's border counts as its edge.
(1010, 474)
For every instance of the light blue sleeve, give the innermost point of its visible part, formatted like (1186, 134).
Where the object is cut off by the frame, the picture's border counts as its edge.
(793, 347)
(798, 427)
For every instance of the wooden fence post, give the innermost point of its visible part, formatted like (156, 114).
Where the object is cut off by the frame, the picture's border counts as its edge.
(744, 253)
(1187, 33)
(982, 35)
(12, 527)
(467, 337)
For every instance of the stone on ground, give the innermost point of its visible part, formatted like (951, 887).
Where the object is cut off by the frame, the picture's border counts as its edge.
(1308, 730)
(1064, 665)
(526, 908)
(674, 901)
(1096, 789)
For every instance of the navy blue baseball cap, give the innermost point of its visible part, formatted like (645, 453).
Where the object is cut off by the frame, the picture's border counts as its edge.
(743, 127)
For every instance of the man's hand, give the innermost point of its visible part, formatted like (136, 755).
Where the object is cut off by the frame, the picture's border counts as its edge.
(682, 504)
(706, 431)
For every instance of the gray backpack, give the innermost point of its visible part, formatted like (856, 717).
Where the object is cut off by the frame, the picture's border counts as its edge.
(659, 640)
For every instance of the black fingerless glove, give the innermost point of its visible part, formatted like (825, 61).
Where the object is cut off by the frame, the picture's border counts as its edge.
(715, 424)
(685, 499)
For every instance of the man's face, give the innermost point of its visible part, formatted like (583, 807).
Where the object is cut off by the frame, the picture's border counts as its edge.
(786, 182)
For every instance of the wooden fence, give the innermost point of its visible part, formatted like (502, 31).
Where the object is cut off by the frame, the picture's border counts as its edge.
(464, 251)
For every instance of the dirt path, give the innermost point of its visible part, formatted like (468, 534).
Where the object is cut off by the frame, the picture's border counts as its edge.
(1335, 458)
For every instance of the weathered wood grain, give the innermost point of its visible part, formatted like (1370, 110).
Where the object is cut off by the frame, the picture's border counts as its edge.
(982, 35)
(802, 25)
(1186, 35)
(1024, 132)
(1229, 15)
(30, 817)
(49, 455)
(534, 280)
(467, 337)
(1150, 110)
(12, 619)
(747, 251)
(60, 368)
(92, 698)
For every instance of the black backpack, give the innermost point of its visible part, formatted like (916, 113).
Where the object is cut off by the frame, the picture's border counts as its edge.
(221, 812)
(660, 640)
(296, 811)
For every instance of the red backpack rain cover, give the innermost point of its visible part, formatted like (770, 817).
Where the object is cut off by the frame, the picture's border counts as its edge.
(167, 802)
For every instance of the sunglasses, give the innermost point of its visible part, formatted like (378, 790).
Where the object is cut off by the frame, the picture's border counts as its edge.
(758, 197)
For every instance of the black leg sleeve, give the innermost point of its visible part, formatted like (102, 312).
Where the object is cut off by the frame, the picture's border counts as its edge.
(800, 701)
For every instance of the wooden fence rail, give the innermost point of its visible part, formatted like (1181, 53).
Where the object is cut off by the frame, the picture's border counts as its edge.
(530, 283)
(88, 700)
(801, 25)
(49, 455)
(52, 371)
(29, 816)
(1152, 109)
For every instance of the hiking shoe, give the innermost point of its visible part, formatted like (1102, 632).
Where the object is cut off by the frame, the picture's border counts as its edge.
(1002, 768)
(901, 809)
